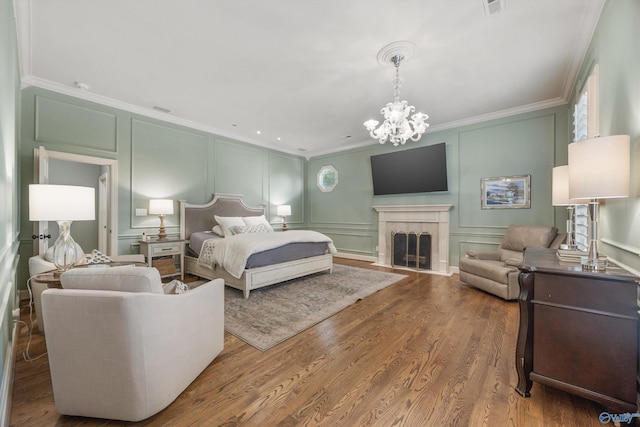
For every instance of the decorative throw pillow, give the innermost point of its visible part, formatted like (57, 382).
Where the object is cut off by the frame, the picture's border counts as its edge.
(256, 220)
(97, 257)
(258, 228)
(227, 222)
(175, 287)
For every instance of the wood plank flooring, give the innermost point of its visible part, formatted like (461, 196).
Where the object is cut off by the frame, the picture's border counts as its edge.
(427, 351)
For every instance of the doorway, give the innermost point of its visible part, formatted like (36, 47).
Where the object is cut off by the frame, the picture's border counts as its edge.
(52, 167)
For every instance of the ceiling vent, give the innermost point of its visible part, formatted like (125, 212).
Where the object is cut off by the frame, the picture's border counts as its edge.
(491, 7)
(161, 109)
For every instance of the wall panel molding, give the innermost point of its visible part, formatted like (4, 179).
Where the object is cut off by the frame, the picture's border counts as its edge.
(58, 122)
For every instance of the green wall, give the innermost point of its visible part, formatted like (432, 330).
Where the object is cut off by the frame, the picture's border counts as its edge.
(155, 160)
(524, 144)
(9, 141)
(614, 48)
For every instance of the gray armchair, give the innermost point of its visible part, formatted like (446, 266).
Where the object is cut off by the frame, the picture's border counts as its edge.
(497, 272)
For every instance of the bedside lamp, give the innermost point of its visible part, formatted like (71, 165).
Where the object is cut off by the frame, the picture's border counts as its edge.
(560, 197)
(284, 211)
(161, 207)
(599, 168)
(64, 204)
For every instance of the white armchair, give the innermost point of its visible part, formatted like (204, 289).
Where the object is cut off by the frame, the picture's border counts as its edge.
(120, 348)
(39, 264)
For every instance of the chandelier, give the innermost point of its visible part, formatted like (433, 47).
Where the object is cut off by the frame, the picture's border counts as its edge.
(397, 126)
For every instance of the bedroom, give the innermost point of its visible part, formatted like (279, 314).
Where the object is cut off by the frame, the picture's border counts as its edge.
(276, 177)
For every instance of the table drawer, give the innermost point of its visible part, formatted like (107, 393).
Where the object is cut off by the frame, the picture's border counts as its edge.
(169, 249)
(587, 293)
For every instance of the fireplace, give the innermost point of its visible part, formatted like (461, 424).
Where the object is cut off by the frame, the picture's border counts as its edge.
(415, 221)
(411, 250)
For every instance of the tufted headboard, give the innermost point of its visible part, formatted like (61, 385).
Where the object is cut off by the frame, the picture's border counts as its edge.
(201, 217)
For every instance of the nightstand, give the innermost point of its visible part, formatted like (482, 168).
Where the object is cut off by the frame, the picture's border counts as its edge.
(162, 248)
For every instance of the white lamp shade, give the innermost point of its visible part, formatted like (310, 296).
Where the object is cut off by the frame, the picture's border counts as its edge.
(560, 188)
(283, 210)
(600, 168)
(49, 202)
(160, 207)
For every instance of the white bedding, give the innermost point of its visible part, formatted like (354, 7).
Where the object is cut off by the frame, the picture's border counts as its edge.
(233, 252)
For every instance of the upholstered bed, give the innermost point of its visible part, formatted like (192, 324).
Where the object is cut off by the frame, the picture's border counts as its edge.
(271, 257)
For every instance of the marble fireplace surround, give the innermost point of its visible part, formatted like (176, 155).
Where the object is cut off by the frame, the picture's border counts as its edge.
(433, 219)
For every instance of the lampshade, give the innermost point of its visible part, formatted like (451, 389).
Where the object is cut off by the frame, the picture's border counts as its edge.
(560, 188)
(61, 203)
(160, 207)
(283, 210)
(600, 168)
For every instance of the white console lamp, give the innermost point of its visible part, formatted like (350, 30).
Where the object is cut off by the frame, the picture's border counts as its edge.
(599, 168)
(161, 207)
(64, 204)
(560, 197)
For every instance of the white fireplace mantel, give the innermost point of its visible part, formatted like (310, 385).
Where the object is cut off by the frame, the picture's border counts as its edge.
(431, 218)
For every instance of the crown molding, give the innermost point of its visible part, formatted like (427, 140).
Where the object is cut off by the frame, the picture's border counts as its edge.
(147, 112)
(592, 13)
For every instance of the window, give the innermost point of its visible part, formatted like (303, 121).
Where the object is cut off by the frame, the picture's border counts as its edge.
(327, 178)
(585, 125)
(585, 114)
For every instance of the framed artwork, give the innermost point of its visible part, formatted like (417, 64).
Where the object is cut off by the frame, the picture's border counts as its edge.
(506, 192)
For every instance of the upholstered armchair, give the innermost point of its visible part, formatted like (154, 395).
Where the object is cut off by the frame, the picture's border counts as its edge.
(40, 264)
(120, 347)
(497, 272)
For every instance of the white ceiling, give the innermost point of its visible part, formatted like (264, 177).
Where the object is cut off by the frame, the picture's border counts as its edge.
(305, 71)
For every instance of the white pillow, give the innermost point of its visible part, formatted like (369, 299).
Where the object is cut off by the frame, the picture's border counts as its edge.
(258, 228)
(257, 220)
(218, 230)
(226, 222)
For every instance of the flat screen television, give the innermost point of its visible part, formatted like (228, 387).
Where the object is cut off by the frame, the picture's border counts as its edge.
(418, 170)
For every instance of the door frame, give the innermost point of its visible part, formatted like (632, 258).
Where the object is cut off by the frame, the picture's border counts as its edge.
(41, 172)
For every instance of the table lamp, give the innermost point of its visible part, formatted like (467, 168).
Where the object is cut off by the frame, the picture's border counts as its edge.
(64, 204)
(599, 168)
(560, 197)
(161, 207)
(284, 211)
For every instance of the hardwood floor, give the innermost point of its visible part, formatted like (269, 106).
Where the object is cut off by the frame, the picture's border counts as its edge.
(427, 351)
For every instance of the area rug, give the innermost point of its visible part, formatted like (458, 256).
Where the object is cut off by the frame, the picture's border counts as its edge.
(275, 313)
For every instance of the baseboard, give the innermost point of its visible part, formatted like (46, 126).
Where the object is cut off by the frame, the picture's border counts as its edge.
(356, 257)
(8, 375)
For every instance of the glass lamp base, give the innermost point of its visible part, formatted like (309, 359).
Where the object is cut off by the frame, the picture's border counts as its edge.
(65, 249)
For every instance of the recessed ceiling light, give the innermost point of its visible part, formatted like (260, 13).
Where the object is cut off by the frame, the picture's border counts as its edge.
(278, 138)
(258, 132)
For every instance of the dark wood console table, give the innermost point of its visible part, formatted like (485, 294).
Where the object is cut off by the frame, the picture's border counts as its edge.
(578, 330)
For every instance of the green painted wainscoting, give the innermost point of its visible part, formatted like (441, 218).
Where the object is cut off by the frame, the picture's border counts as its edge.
(156, 159)
(9, 181)
(525, 144)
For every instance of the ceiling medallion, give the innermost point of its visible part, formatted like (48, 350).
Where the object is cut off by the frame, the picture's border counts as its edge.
(397, 126)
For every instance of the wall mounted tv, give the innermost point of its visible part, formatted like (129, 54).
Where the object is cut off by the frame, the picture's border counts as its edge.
(418, 170)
